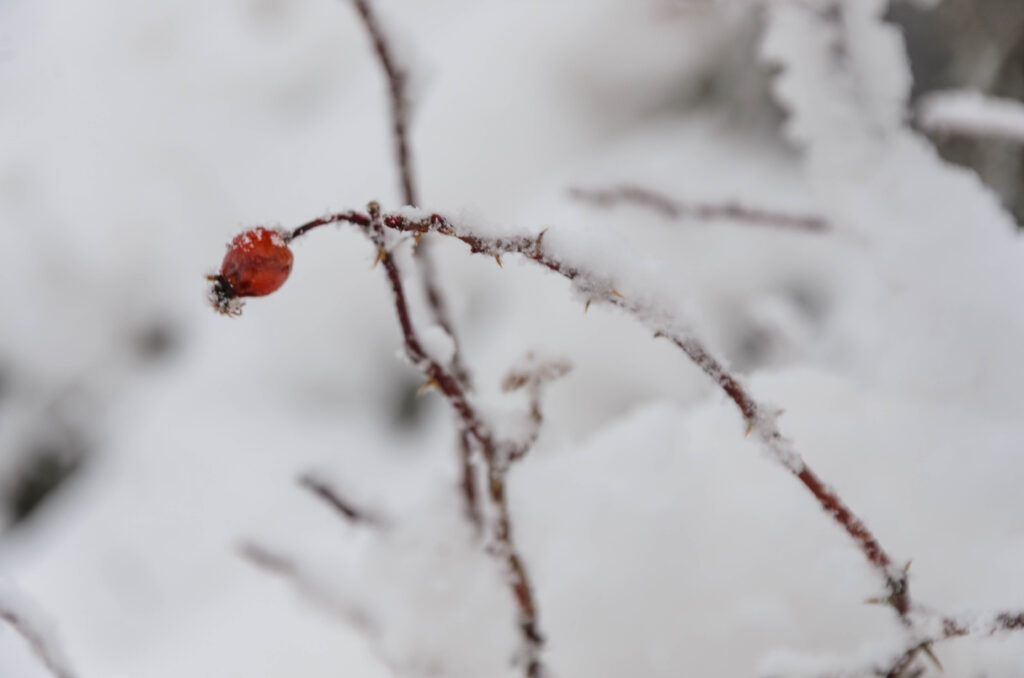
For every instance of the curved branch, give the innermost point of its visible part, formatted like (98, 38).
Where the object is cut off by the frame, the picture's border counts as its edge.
(761, 420)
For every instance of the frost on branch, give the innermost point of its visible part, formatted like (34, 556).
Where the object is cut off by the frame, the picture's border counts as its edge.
(972, 114)
(21, 614)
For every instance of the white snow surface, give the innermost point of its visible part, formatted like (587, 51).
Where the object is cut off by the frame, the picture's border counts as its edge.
(136, 138)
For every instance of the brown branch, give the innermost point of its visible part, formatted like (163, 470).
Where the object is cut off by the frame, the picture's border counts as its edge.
(468, 482)
(674, 209)
(441, 314)
(332, 498)
(761, 420)
(396, 79)
(495, 454)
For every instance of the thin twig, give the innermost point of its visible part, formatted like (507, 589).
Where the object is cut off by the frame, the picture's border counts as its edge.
(332, 498)
(396, 79)
(43, 645)
(674, 209)
(532, 376)
(289, 570)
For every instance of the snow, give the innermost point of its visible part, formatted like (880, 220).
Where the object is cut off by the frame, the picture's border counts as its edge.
(438, 344)
(136, 138)
(972, 114)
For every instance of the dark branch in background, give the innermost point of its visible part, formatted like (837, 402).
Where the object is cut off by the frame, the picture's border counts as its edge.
(43, 647)
(289, 570)
(674, 209)
(332, 498)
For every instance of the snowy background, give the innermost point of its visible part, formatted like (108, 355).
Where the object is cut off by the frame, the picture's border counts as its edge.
(143, 437)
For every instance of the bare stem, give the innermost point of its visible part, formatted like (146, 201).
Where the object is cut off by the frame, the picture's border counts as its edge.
(332, 498)
(290, 570)
(396, 90)
(674, 209)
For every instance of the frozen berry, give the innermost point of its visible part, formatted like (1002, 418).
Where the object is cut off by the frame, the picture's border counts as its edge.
(257, 263)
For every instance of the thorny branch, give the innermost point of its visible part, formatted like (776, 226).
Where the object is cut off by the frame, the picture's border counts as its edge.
(952, 627)
(761, 420)
(496, 454)
(675, 209)
(399, 101)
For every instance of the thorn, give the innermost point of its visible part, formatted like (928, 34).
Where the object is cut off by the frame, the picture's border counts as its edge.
(659, 334)
(877, 601)
(540, 236)
(906, 568)
(616, 293)
(586, 306)
(426, 386)
(927, 649)
(750, 429)
(497, 258)
(419, 234)
(381, 253)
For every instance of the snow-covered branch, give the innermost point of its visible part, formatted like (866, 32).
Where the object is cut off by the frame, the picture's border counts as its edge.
(22, 615)
(761, 419)
(969, 113)
(475, 432)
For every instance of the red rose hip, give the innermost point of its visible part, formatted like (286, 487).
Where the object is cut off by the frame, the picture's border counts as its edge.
(258, 262)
